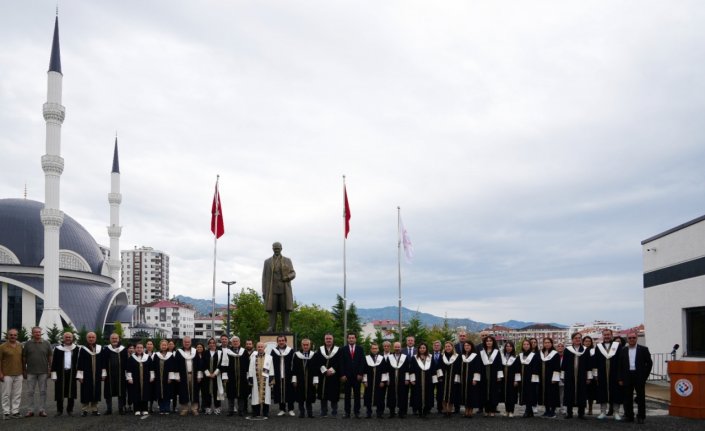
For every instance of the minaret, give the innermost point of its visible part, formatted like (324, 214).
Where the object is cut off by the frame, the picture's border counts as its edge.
(114, 230)
(53, 165)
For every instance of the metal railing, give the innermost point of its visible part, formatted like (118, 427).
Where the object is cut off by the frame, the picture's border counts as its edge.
(659, 372)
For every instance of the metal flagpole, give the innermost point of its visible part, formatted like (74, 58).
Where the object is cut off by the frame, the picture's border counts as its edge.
(215, 250)
(399, 268)
(345, 287)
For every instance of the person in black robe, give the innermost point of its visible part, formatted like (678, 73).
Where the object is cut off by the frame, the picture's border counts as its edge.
(470, 367)
(449, 379)
(374, 378)
(63, 373)
(574, 371)
(139, 376)
(189, 378)
(422, 377)
(304, 378)
(528, 378)
(90, 373)
(115, 358)
(604, 369)
(352, 364)
(398, 385)
(490, 376)
(235, 364)
(163, 367)
(550, 375)
(508, 386)
(282, 356)
(591, 383)
(436, 358)
(171, 345)
(212, 383)
(329, 378)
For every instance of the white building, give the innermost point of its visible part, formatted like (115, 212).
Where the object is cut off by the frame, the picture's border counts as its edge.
(145, 275)
(593, 329)
(674, 289)
(168, 315)
(203, 325)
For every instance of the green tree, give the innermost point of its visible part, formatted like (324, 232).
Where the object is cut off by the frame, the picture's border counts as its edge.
(99, 336)
(22, 335)
(416, 329)
(118, 329)
(379, 338)
(81, 337)
(54, 334)
(442, 332)
(249, 317)
(311, 321)
(69, 328)
(354, 325)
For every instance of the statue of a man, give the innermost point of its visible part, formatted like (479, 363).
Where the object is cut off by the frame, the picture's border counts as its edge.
(276, 287)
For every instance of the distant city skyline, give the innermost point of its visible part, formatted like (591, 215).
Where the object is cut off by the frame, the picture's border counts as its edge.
(531, 147)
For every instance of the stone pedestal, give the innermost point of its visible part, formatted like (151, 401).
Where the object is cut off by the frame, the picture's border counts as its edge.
(270, 339)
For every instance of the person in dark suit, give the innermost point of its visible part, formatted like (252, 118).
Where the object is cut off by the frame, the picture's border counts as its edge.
(634, 368)
(436, 363)
(352, 361)
(410, 349)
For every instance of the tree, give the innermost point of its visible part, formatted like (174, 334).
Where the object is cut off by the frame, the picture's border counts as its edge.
(443, 333)
(416, 329)
(54, 334)
(22, 335)
(69, 328)
(99, 337)
(81, 337)
(354, 325)
(312, 322)
(249, 317)
(117, 328)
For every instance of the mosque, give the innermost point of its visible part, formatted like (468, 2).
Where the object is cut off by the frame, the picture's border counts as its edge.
(52, 271)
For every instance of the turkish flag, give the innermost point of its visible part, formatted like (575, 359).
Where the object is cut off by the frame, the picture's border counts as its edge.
(217, 226)
(347, 212)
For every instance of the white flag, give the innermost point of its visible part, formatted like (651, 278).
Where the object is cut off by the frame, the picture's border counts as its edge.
(406, 242)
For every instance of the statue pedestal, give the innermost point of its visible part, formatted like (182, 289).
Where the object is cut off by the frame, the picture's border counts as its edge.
(270, 339)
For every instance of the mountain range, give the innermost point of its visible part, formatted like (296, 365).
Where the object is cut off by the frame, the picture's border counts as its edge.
(203, 306)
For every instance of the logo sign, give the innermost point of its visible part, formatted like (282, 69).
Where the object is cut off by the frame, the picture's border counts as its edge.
(683, 387)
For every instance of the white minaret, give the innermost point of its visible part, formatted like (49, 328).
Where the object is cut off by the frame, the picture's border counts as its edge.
(114, 230)
(53, 165)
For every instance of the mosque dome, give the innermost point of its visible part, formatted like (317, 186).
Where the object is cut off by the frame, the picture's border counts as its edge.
(22, 239)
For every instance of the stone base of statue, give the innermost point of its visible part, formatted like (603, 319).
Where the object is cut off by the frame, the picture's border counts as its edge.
(270, 339)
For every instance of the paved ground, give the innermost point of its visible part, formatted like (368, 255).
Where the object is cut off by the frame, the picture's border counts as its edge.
(657, 419)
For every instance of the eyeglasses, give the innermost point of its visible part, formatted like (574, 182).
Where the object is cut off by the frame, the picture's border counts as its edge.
(631, 338)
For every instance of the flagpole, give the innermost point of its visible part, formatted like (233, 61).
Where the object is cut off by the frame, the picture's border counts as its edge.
(345, 286)
(399, 268)
(215, 250)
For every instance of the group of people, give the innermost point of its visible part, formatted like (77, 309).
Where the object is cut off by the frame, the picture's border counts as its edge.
(397, 380)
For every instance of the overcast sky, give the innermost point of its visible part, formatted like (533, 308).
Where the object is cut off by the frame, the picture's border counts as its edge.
(530, 145)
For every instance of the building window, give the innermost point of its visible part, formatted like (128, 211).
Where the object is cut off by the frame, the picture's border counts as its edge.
(695, 331)
(14, 307)
(39, 309)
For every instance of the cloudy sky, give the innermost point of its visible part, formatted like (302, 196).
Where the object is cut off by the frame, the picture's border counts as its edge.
(531, 146)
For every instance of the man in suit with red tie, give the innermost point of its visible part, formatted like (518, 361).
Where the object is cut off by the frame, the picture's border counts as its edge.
(634, 368)
(352, 364)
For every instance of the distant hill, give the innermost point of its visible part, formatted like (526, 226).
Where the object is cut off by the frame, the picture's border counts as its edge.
(370, 314)
(202, 306)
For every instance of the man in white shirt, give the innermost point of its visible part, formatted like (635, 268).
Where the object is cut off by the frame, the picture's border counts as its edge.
(634, 369)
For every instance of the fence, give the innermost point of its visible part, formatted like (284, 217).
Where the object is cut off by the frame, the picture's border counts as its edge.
(659, 372)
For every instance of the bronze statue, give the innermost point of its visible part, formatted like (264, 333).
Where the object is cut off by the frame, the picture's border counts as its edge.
(276, 288)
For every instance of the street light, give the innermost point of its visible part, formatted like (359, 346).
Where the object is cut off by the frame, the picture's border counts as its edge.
(229, 283)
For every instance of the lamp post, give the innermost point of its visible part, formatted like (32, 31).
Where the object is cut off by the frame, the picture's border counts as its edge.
(228, 283)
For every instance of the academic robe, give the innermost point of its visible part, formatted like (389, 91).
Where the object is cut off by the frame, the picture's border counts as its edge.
(259, 375)
(189, 385)
(139, 371)
(423, 376)
(374, 374)
(398, 385)
(529, 370)
(449, 377)
(605, 369)
(550, 377)
(575, 372)
(211, 366)
(115, 360)
(305, 374)
(329, 386)
(489, 386)
(470, 368)
(64, 388)
(91, 369)
(507, 390)
(283, 391)
(234, 366)
(163, 367)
